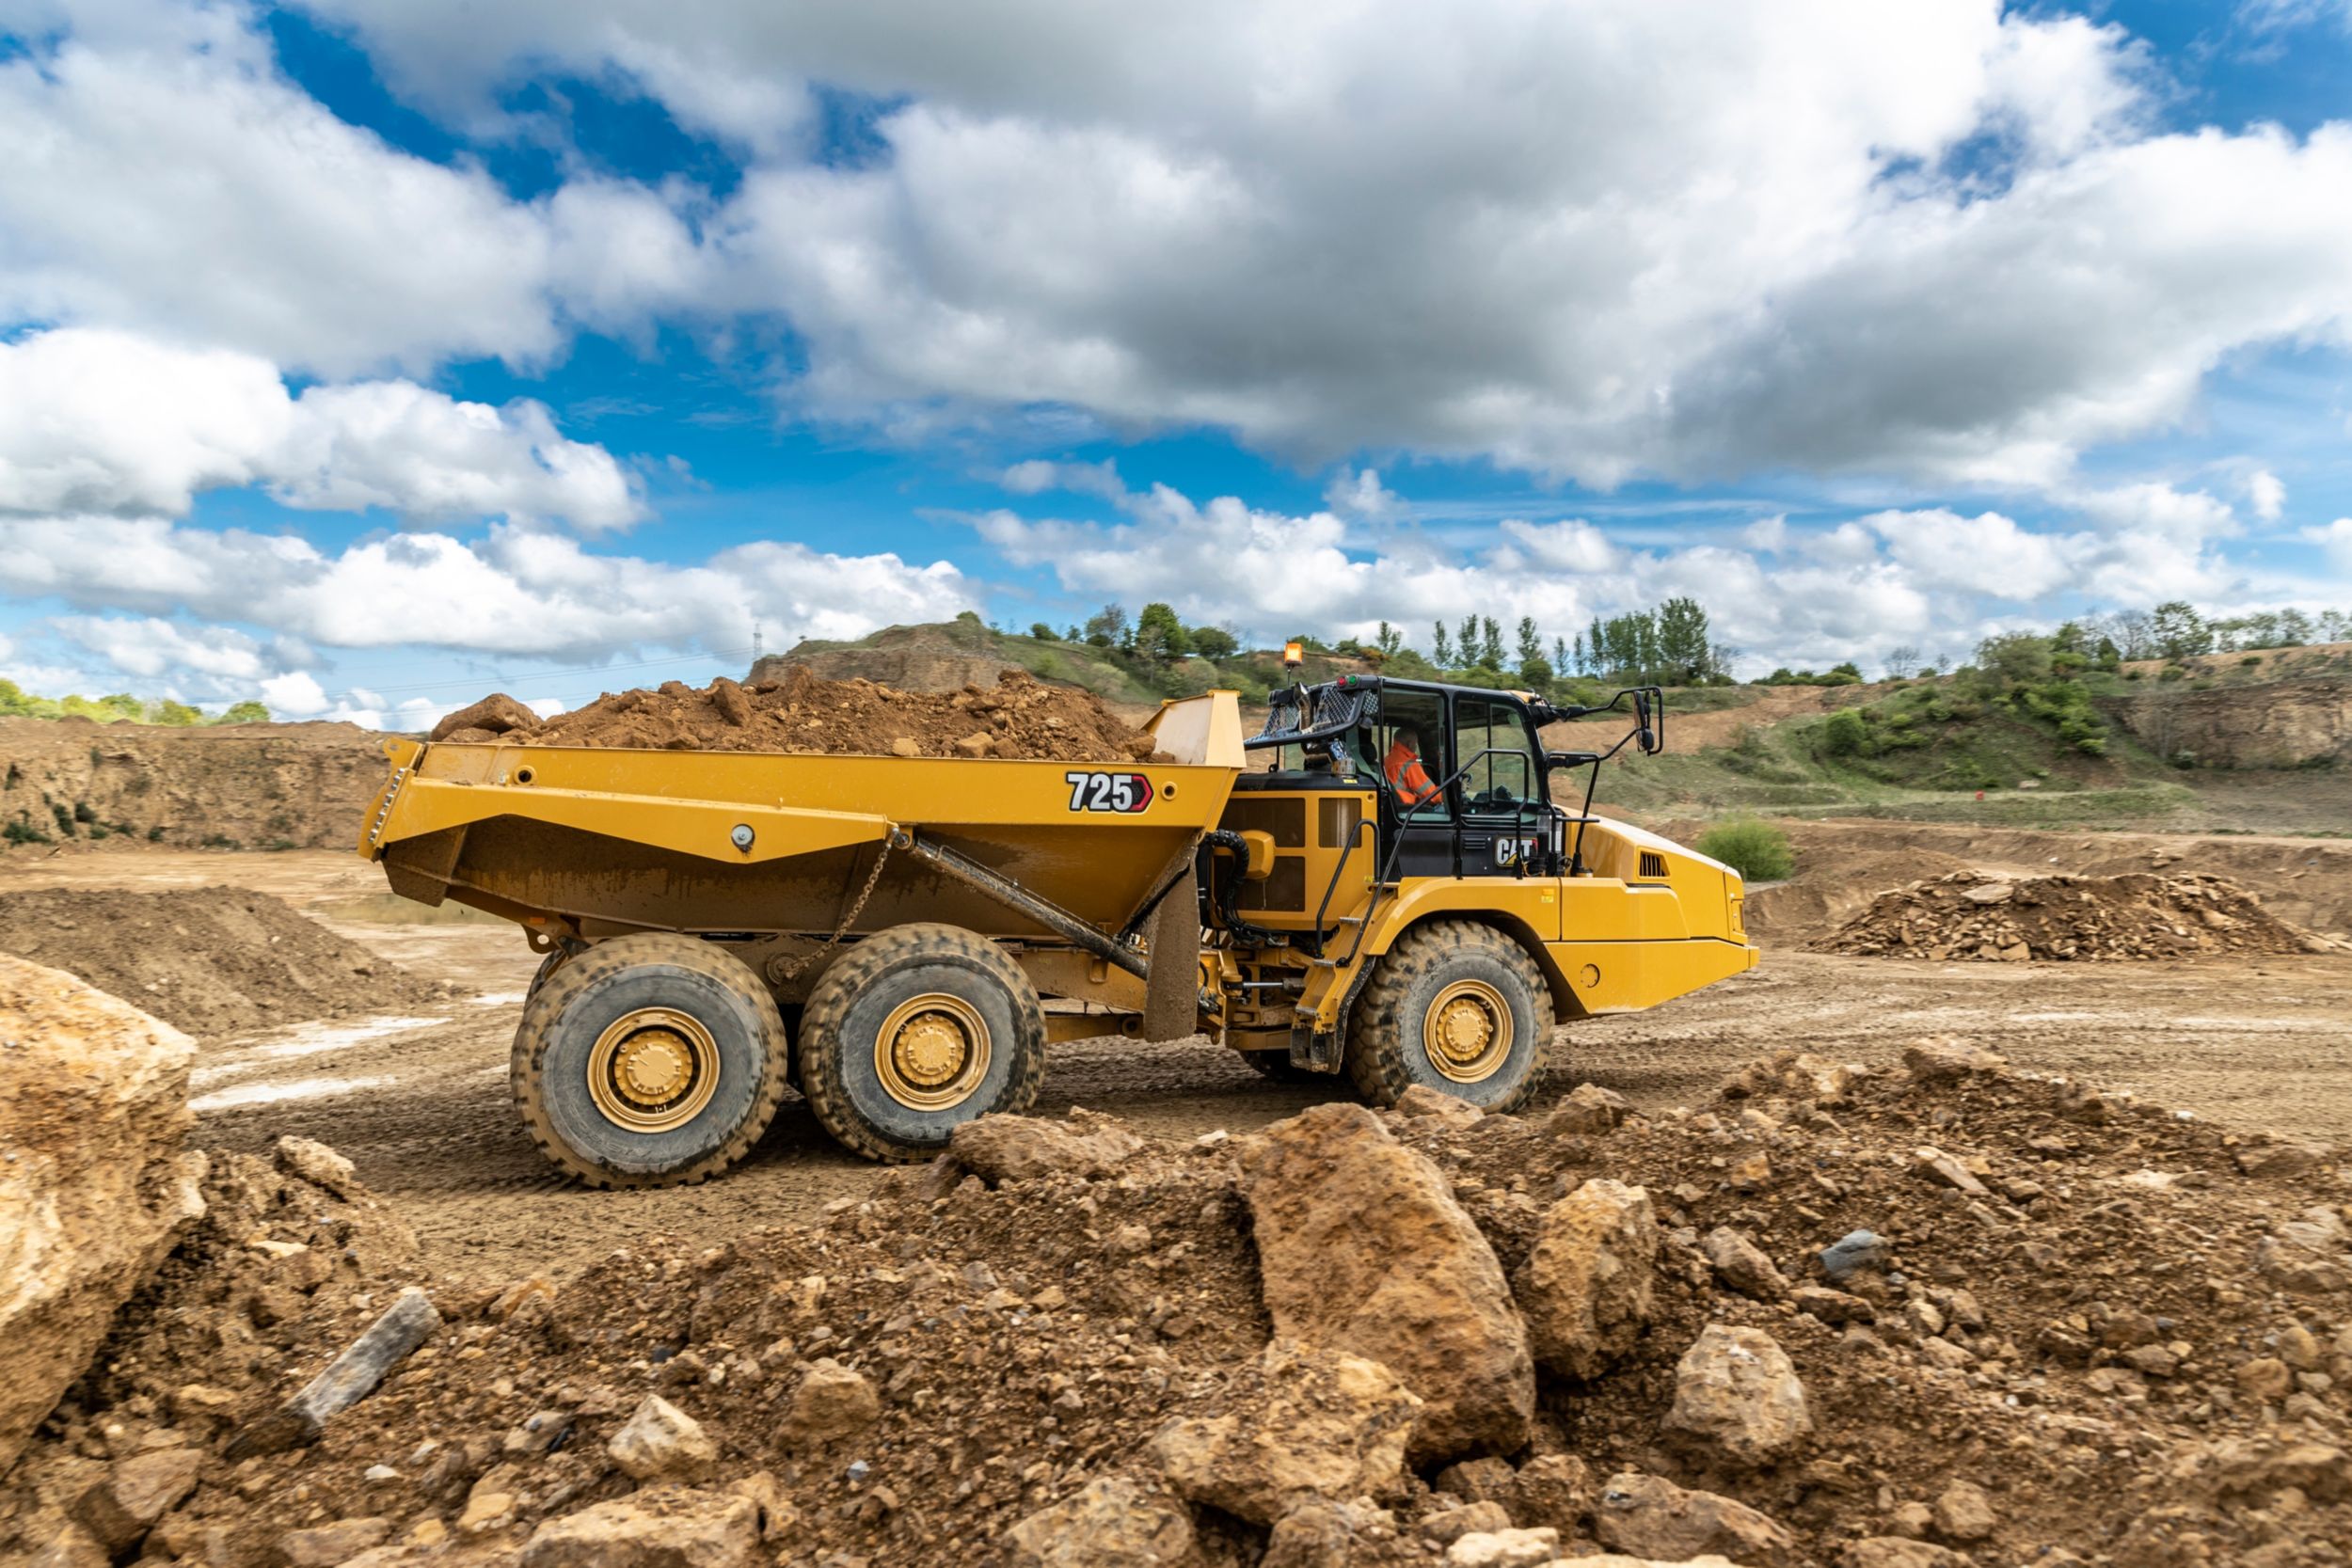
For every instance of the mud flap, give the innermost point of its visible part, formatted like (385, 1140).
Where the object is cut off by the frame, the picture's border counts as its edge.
(1171, 987)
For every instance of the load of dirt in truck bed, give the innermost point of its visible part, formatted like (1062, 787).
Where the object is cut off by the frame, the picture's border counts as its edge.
(212, 961)
(1911, 1318)
(1018, 717)
(1967, 914)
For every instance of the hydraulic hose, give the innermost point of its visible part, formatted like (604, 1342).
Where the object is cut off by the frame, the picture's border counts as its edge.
(1228, 897)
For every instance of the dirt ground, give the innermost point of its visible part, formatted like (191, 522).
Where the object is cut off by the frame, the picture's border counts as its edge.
(418, 1098)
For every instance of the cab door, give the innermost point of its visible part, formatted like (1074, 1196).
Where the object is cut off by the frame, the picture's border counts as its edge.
(1506, 823)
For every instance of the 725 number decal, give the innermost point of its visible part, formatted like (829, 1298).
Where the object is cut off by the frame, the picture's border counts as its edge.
(1122, 792)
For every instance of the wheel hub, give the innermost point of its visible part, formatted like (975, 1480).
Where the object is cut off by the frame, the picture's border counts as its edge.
(653, 1069)
(1466, 1032)
(933, 1051)
(930, 1050)
(654, 1066)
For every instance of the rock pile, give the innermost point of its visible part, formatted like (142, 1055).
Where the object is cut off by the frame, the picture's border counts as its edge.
(1018, 717)
(1967, 915)
(1948, 1313)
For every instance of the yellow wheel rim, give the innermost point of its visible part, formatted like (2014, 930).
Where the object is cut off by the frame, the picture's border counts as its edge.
(1466, 1032)
(653, 1071)
(931, 1051)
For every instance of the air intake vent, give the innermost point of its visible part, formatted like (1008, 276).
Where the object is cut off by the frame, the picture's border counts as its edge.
(1653, 863)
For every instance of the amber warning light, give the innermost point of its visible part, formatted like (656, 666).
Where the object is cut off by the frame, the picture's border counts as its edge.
(1293, 655)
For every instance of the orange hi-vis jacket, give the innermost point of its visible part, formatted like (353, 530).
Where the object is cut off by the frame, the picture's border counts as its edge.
(1407, 776)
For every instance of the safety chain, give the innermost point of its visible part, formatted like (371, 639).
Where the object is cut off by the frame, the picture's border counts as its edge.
(781, 971)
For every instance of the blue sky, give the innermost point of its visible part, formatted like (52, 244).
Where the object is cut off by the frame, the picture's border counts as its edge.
(363, 354)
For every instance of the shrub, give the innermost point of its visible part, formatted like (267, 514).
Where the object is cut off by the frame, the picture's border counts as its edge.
(1758, 850)
(1846, 735)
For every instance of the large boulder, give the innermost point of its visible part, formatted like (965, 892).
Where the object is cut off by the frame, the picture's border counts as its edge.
(657, 1528)
(1650, 1516)
(96, 1189)
(1590, 1281)
(496, 714)
(1737, 1397)
(661, 1442)
(1003, 1148)
(1302, 1425)
(1111, 1522)
(1362, 1248)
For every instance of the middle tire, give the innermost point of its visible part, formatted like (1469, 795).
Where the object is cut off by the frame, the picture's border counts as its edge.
(1454, 1006)
(649, 1060)
(918, 1030)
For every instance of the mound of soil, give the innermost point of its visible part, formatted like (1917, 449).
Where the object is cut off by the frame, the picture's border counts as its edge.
(1833, 885)
(214, 960)
(2079, 1328)
(1968, 916)
(1018, 717)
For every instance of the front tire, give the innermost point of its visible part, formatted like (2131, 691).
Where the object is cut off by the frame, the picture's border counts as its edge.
(1454, 1006)
(653, 1060)
(916, 1031)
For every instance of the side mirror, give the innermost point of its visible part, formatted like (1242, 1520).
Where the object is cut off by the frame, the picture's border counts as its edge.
(1652, 721)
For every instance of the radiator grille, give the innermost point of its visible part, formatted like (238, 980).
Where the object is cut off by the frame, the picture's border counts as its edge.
(1653, 863)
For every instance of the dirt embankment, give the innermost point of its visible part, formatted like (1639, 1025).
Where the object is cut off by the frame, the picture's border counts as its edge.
(212, 961)
(252, 786)
(1018, 717)
(1925, 1315)
(1967, 915)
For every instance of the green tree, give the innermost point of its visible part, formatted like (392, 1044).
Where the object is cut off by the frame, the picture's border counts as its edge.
(1489, 643)
(1684, 654)
(1042, 632)
(1441, 647)
(2017, 658)
(1159, 635)
(1466, 641)
(246, 712)
(1390, 641)
(1531, 641)
(2178, 631)
(1108, 627)
(1214, 643)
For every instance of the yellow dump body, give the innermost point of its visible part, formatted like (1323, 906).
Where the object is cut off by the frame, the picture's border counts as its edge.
(588, 842)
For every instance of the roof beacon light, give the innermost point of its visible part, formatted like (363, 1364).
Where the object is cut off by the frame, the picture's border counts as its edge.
(1293, 655)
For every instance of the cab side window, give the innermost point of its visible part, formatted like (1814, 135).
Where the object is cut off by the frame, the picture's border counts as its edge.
(1408, 751)
(1491, 739)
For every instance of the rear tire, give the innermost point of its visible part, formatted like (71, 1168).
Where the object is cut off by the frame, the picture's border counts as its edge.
(1454, 1006)
(916, 1031)
(653, 1060)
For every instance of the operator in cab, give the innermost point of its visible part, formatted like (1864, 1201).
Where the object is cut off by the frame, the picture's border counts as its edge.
(1404, 771)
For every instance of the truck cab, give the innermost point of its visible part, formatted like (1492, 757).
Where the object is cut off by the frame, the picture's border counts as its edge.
(1394, 813)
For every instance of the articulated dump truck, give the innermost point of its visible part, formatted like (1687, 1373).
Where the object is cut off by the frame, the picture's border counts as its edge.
(1378, 885)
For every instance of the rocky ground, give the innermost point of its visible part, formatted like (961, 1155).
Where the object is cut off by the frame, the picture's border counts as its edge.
(1947, 1312)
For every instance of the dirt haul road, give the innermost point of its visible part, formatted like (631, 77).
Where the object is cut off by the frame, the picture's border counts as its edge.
(418, 1098)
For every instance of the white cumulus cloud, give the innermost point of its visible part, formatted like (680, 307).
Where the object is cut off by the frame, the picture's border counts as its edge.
(92, 418)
